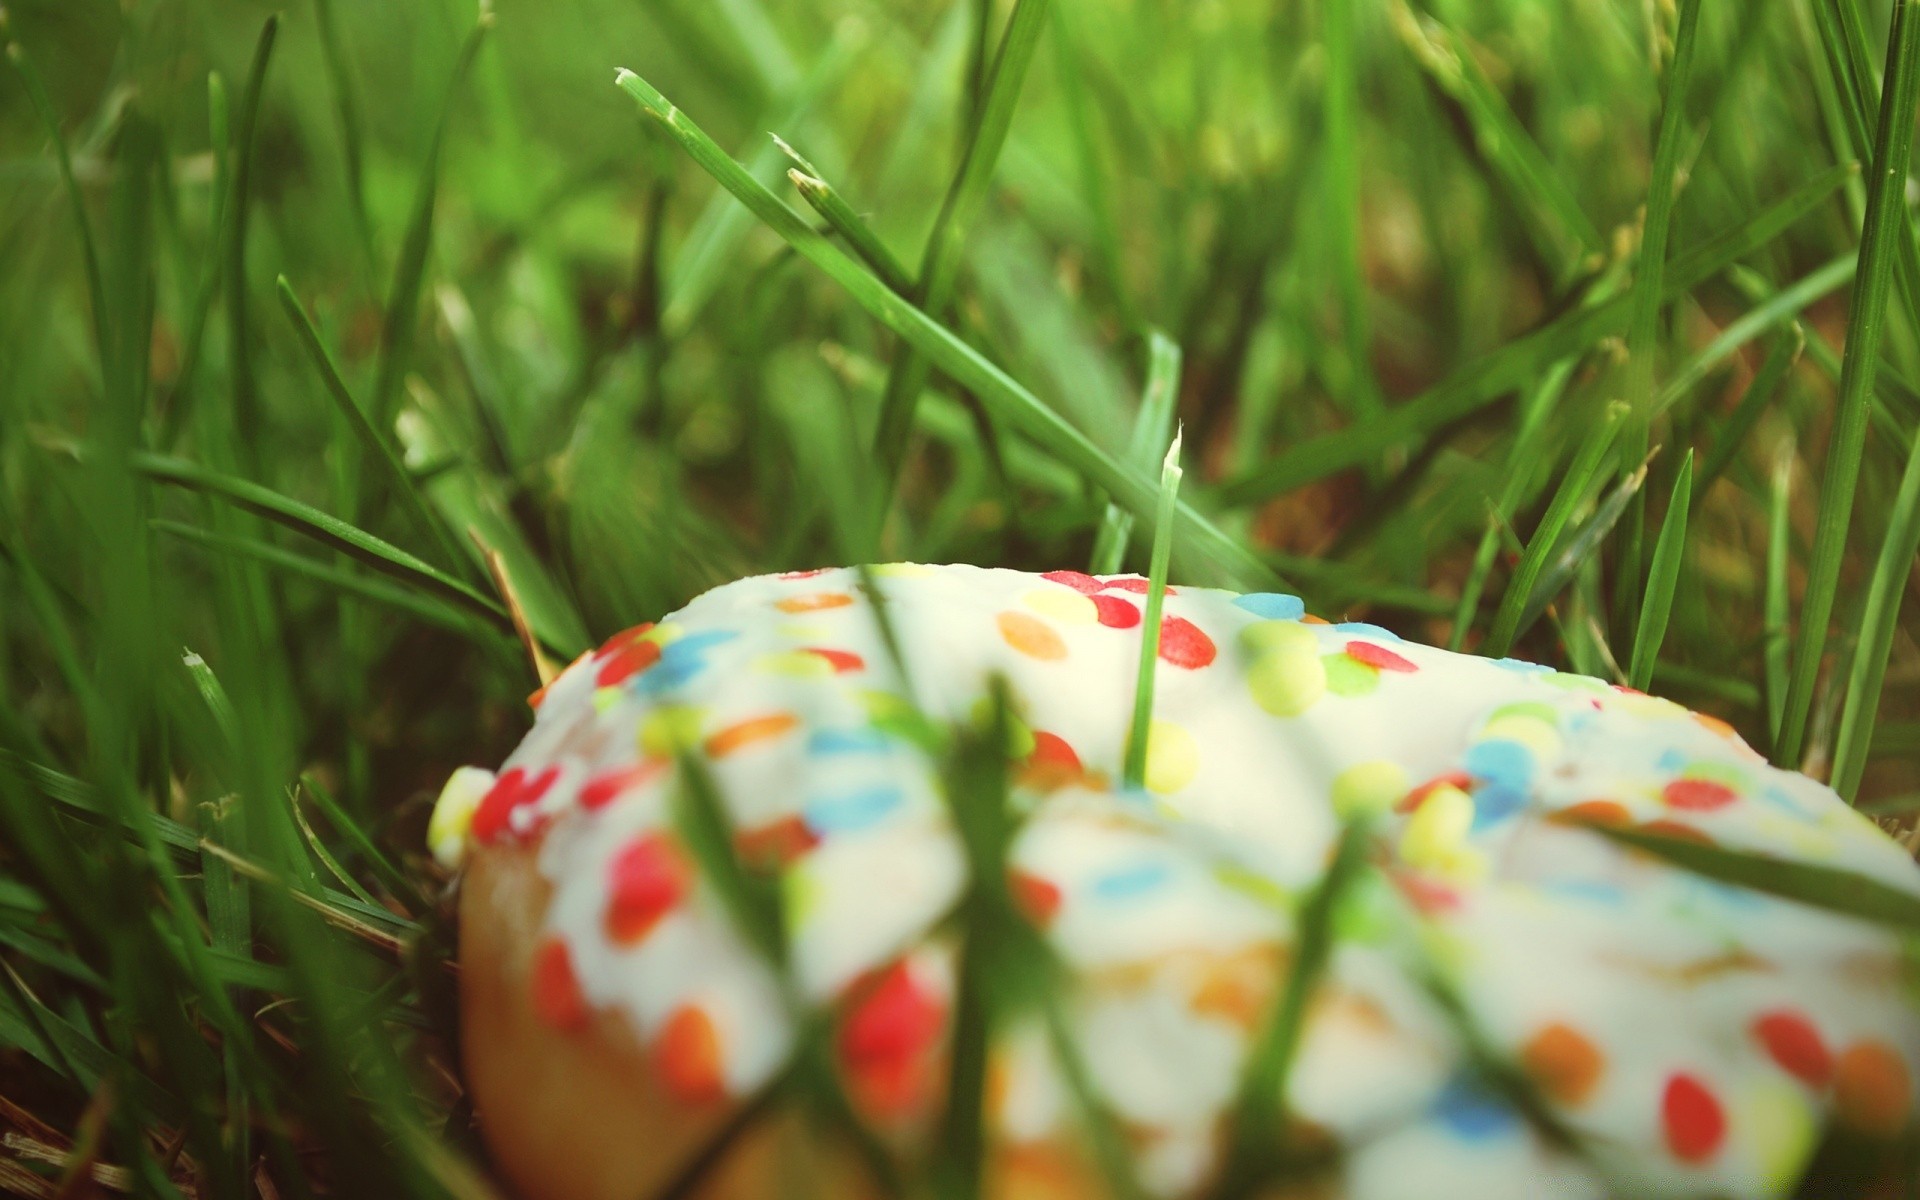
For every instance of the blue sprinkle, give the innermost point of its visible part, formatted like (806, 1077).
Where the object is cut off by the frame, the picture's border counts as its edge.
(1129, 882)
(1501, 761)
(1671, 760)
(1522, 667)
(1494, 803)
(1275, 606)
(1780, 797)
(847, 741)
(667, 674)
(1362, 627)
(848, 811)
(1471, 1112)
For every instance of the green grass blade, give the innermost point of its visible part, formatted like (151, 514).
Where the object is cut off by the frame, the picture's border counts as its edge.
(1832, 889)
(401, 315)
(1878, 625)
(1768, 381)
(1007, 398)
(1572, 490)
(382, 556)
(375, 446)
(1886, 198)
(940, 264)
(1662, 578)
(1256, 1134)
(1135, 770)
(838, 214)
(246, 399)
(346, 107)
(1150, 429)
(1340, 172)
(1519, 361)
(76, 202)
(1777, 606)
(220, 128)
(1582, 546)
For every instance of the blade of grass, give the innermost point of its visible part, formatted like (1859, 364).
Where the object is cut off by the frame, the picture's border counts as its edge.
(76, 202)
(401, 315)
(1340, 176)
(1572, 490)
(1777, 607)
(1886, 196)
(1150, 430)
(1832, 889)
(838, 214)
(1878, 624)
(382, 556)
(372, 443)
(220, 130)
(1765, 387)
(940, 263)
(246, 400)
(1135, 771)
(1581, 546)
(1007, 398)
(1257, 1131)
(1514, 364)
(1662, 578)
(347, 111)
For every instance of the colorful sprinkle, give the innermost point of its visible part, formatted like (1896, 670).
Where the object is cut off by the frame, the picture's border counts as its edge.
(1287, 684)
(1037, 898)
(645, 881)
(847, 812)
(1274, 606)
(1086, 585)
(1173, 758)
(774, 846)
(1872, 1089)
(1368, 789)
(1564, 1062)
(557, 1000)
(514, 790)
(1379, 658)
(1183, 645)
(1031, 636)
(605, 788)
(1692, 1118)
(814, 602)
(687, 1056)
(1069, 607)
(1115, 612)
(1792, 1041)
(752, 731)
(1698, 795)
(1473, 1112)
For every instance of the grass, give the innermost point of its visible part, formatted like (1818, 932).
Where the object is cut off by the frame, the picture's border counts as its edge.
(1425, 284)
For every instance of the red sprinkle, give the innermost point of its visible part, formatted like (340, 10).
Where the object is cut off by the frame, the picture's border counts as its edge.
(1418, 796)
(1134, 584)
(1695, 1123)
(771, 847)
(492, 819)
(1116, 613)
(1379, 657)
(1698, 795)
(646, 879)
(556, 989)
(626, 662)
(1183, 645)
(1038, 898)
(1795, 1044)
(1080, 582)
(623, 638)
(602, 790)
(792, 575)
(842, 661)
(895, 1019)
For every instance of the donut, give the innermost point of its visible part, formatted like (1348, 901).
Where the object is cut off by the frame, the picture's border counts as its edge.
(1499, 998)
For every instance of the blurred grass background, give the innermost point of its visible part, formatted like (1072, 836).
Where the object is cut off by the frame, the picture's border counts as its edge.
(1506, 325)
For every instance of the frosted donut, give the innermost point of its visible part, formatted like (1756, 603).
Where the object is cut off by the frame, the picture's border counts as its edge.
(1671, 1036)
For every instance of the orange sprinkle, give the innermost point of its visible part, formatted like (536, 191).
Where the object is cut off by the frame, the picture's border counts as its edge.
(814, 602)
(556, 989)
(687, 1053)
(841, 661)
(749, 731)
(1564, 1062)
(1872, 1090)
(1593, 812)
(1031, 636)
(1310, 619)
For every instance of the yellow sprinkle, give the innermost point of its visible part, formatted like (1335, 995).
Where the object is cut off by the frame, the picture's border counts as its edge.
(453, 814)
(903, 570)
(1539, 736)
(1279, 637)
(670, 729)
(1062, 604)
(663, 634)
(1368, 788)
(795, 664)
(1288, 682)
(1778, 1123)
(1438, 829)
(1173, 758)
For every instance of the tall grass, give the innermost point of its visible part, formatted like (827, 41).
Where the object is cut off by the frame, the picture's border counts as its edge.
(348, 351)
